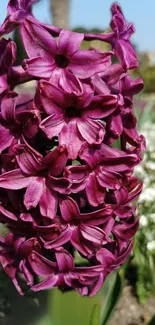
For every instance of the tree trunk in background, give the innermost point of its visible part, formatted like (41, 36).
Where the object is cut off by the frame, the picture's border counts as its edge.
(60, 13)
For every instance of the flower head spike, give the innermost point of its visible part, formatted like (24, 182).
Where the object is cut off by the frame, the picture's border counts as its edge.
(67, 154)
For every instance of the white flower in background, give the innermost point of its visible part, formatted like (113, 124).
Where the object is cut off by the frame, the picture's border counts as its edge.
(152, 155)
(143, 221)
(151, 245)
(150, 165)
(139, 170)
(149, 236)
(148, 195)
(152, 216)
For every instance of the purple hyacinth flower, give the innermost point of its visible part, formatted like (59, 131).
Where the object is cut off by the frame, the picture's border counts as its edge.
(119, 38)
(86, 236)
(16, 120)
(72, 116)
(14, 252)
(50, 60)
(103, 171)
(38, 176)
(66, 192)
(64, 274)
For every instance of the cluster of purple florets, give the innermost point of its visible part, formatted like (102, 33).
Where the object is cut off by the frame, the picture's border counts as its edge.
(66, 191)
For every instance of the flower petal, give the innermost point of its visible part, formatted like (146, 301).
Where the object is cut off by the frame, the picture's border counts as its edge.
(71, 137)
(15, 180)
(52, 125)
(34, 192)
(41, 265)
(95, 193)
(48, 203)
(46, 284)
(69, 42)
(69, 209)
(92, 131)
(56, 160)
(38, 67)
(85, 64)
(37, 41)
(6, 138)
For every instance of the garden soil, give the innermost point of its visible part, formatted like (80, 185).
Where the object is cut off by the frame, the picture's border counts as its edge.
(130, 312)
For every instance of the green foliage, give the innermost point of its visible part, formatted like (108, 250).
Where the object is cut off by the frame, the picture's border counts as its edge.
(20, 49)
(81, 29)
(112, 298)
(95, 316)
(69, 308)
(149, 79)
(152, 321)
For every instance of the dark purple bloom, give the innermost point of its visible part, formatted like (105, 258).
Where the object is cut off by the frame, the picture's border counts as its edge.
(50, 60)
(16, 119)
(64, 274)
(13, 256)
(56, 208)
(86, 236)
(38, 175)
(18, 13)
(72, 116)
(103, 171)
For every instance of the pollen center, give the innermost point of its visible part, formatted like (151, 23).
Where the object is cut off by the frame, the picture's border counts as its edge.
(72, 112)
(61, 61)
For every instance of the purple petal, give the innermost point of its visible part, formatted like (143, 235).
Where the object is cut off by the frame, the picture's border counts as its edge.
(29, 160)
(65, 261)
(62, 239)
(48, 203)
(85, 64)
(9, 215)
(46, 284)
(41, 265)
(38, 67)
(69, 209)
(77, 242)
(53, 125)
(71, 137)
(8, 107)
(95, 193)
(34, 192)
(92, 131)
(15, 180)
(102, 106)
(60, 185)
(68, 82)
(97, 285)
(56, 160)
(37, 41)
(93, 234)
(126, 54)
(51, 95)
(108, 179)
(69, 42)
(6, 138)
(112, 74)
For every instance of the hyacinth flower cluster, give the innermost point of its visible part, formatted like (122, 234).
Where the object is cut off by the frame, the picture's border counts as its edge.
(66, 191)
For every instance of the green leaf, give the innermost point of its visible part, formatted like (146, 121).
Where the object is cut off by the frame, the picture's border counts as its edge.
(112, 298)
(152, 321)
(95, 316)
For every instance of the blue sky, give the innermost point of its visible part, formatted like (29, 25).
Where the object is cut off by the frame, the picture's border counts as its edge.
(96, 13)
